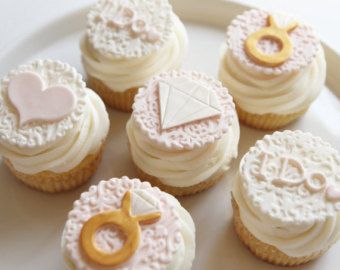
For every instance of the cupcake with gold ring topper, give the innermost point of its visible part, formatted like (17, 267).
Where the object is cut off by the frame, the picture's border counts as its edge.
(274, 67)
(52, 128)
(128, 224)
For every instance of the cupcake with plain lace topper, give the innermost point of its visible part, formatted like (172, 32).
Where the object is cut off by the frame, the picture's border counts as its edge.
(286, 198)
(52, 128)
(274, 67)
(126, 43)
(128, 224)
(183, 132)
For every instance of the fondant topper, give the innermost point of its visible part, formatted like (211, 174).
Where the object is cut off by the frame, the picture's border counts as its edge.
(211, 112)
(275, 33)
(159, 240)
(127, 18)
(253, 25)
(34, 103)
(129, 29)
(290, 172)
(292, 176)
(182, 101)
(126, 222)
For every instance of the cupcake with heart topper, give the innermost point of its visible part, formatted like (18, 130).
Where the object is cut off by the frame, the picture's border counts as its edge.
(286, 198)
(183, 131)
(52, 128)
(274, 67)
(128, 224)
(128, 42)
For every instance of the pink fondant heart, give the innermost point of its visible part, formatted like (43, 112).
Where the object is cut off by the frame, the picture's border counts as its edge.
(34, 103)
(333, 193)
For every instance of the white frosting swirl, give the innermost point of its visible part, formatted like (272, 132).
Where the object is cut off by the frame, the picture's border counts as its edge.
(186, 252)
(295, 240)
(183, 168)
(84, 139)
(260, 93)
(120, 74)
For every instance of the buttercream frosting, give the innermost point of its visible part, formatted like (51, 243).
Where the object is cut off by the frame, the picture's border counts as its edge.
(191, 152)
(167, 244)
(283, 191)
(56, 146)
(285, 89)
(122, 59)
(183, 168)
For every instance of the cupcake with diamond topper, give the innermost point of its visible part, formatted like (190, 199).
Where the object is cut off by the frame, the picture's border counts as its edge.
(52, 128)
(128, 224)
(183, 132)
(126, 43)
(274, 67)
(286, 198)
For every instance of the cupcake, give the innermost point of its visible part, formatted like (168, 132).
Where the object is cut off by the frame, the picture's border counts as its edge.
(183, 132)
(52, 128)
(128, 42)
(128, 224)
(286, 198)
(274, 67)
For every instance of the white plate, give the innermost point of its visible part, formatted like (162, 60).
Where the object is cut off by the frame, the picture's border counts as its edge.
(31, 222)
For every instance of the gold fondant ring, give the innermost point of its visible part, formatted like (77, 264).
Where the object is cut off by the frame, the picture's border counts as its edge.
(128, 224)
(273, 32)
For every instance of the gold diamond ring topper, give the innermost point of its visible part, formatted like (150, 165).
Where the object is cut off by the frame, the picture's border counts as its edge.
(126, 222)
(275, 33)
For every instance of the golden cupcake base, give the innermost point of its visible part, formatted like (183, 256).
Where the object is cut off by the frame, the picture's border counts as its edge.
(180, 191)
(269, 121)
(264, 251)
(117, 100)
(51, 182)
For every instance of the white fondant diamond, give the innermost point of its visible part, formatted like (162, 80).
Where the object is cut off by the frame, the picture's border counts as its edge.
(143, 203)
(183, 101)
